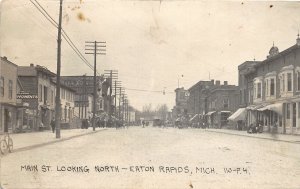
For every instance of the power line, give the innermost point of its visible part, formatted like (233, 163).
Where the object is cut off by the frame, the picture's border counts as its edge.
(144, 90)
(65, 35)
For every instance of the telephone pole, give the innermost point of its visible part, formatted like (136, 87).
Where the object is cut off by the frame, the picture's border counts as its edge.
(57, 98)
(122, 90)
(117, 85)
(111, 75)
(92, 47)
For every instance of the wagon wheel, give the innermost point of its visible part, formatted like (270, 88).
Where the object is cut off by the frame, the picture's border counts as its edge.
(10, 145)
(3, 147)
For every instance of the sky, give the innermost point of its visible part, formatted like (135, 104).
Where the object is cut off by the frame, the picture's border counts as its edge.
(152, 44)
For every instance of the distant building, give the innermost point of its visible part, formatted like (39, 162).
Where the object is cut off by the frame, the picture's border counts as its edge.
(223, 100)
(84, 91)
(180, 108)
(196, 101)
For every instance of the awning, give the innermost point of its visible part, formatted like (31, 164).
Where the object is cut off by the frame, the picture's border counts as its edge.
(225, 111)
(194, 117)
(240, 114)
(277, 107)
(210, 113)
(256, 107)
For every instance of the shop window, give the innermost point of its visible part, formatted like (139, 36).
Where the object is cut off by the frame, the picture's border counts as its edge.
(2, 86)
(10, 89)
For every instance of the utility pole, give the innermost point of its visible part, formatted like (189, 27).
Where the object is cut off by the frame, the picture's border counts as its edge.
(84, 95)
(57, 98)
(112, 75)
(123, 108)
(92, 47)
(122, 90)
(117, 85)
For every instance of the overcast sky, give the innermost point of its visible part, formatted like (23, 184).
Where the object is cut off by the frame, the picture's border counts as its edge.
(151, 43)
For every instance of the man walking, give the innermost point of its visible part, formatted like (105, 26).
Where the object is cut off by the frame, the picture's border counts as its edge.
(53, 124)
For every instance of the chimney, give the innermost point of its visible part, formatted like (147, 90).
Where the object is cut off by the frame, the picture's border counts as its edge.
(218, 82)
(4, 57)
(225, 83)
(31, 65)
(212, 81)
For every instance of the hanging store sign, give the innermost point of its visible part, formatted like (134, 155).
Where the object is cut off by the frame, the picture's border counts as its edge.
(24, 95)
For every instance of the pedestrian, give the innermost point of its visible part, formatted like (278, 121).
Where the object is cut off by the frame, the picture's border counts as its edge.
(52, 125)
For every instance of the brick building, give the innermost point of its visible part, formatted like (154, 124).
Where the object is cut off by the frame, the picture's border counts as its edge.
(196, 101)
(274, 91)
(179, 111)
(222, 101)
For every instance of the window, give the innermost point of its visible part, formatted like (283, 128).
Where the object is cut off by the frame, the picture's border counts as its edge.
(289, 82)
(298, 109)
(288, 111)
(10, 89)
(286, 82)
(2, 86)
(298, 80)
(283, 82)
(41, 93)
(267, 88)
(272, 87)
(52, 96)
(226, 103)
(258, 90)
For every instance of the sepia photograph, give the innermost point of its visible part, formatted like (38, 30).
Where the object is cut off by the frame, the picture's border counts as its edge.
(149, 94)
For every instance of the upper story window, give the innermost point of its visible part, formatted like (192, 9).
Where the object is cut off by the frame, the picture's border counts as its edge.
(286, 80)
(2, 86)
(257, 88)
(270, 84)
(41, 92)
(10, 89)
(226, 103)
(298, 78)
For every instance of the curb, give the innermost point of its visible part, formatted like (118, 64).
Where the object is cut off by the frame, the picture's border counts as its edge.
(251, 136)
(53, 142)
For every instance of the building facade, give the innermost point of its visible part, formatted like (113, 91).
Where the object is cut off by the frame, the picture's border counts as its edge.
(181, 100)
(84, 89)
(38, 93)
(196, 102)
(222, 101)
(275, 102)
(9, 110)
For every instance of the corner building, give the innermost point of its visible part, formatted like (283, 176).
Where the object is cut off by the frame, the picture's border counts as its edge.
(274, 91)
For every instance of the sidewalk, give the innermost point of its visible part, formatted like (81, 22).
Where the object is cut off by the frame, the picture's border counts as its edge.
(26, 141)
(265, 135)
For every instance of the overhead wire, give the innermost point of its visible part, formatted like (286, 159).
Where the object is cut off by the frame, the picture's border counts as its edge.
(40, 8)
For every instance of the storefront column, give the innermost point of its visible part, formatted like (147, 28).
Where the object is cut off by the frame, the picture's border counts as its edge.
(284, 118)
